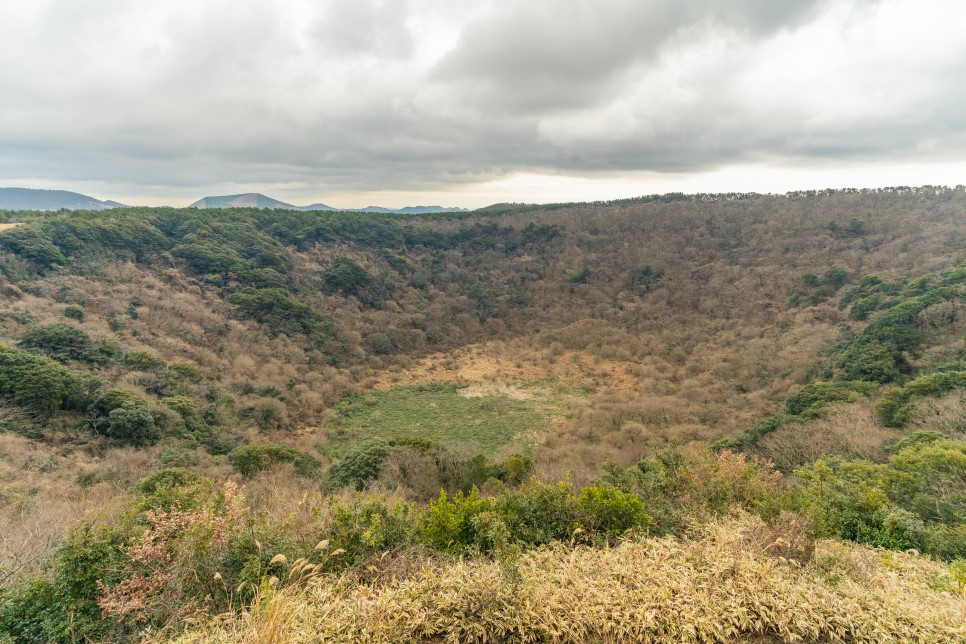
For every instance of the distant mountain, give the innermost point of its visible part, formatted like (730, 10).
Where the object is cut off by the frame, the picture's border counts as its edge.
(247, 200)
(256, 200)
(423, 210)
(31, 199)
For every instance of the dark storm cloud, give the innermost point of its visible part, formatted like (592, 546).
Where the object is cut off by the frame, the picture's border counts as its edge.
(347, 95)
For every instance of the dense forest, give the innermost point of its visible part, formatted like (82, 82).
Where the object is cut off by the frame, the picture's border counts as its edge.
(245, 425)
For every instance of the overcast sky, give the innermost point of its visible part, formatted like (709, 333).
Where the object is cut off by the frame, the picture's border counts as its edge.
(467, 103)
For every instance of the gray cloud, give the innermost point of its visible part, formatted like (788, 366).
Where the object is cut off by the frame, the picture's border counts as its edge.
(345, 96)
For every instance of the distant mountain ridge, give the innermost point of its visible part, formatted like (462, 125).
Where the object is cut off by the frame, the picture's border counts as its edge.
(258, 200)
(34, 199)
(246, 200)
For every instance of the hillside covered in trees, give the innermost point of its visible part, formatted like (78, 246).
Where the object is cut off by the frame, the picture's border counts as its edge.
(275, 417)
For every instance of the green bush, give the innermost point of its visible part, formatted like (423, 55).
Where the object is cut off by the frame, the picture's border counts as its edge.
(537, 513)
(252, 459)
(813, 398)
(73, 312)
(607, 512)
(61, 342)
(30, 243)
(131, 424)
(915, 500)
(366, 528)
(186, 371)
(112, 399)
(358, 466)
(282, 313)
(645, 278)
(41, 384)
(346, 277)
(449, 526)
(894, 406)
(143, 361)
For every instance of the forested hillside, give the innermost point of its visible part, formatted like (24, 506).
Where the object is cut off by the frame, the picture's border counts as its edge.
(371, 396)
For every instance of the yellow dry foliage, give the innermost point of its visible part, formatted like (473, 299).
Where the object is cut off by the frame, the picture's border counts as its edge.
(724, 584)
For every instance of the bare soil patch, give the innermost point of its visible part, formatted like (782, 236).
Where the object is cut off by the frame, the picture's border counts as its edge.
(499, 364)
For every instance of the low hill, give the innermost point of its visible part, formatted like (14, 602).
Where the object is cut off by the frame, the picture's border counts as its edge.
(256, 200)
(246, 200)
(33, 199)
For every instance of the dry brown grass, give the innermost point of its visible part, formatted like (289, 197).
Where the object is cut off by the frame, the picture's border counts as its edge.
(40, 502)
(726, 583)
(851, 431)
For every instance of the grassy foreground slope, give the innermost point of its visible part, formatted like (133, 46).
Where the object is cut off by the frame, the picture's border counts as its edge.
(728, 582)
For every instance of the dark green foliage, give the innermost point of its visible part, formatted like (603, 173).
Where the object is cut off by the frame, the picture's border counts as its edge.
(872, 362)
(73, 312)
(855, 228)
(61, 342)
(41, 384)
(122, 415)
(815, 289)
(143, 361)
(358, 466)
(645, 278)
(29, 242)
(877, 353)
(346, 277)
(130, 424)
(894, 405)
(282, 312)
(581, 276)
(812, 399)
(252, 459)
(112, 399)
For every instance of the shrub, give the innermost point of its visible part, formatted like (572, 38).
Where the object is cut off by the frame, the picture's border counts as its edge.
(645, 278)
(895, 404)
(283, 313)
(813, 398)
(73, 312)
(186, 408)
(61, 342)
(252, 459)
(346, 277)
(916, 500)
(112, 399)
(41, 384)
(607, 512)
(358, 466)
(449, 526)
(143, 361)
(186, 370)
(131, 424)
(32, 244)
(538, 513)
(368, 527)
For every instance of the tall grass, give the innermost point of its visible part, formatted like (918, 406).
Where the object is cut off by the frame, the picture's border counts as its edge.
(728, 581)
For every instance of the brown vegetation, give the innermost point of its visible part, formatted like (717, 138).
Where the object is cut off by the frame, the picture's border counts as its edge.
(733, 579)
